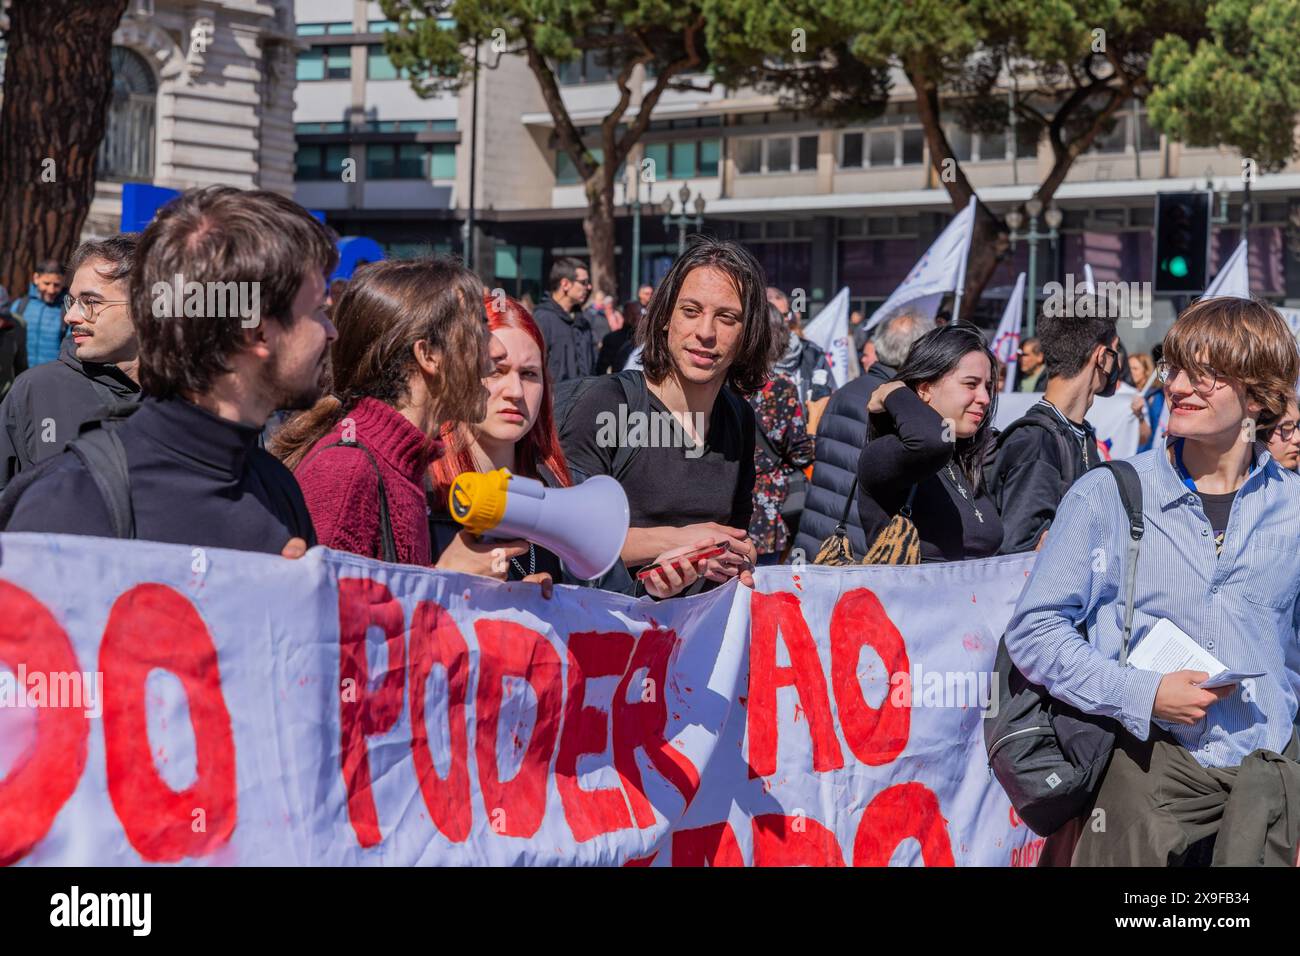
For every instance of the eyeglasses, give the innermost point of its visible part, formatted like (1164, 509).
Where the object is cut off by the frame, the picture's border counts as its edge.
(581, 281)
(1203, 383)
(88, 310)
(1284, 430)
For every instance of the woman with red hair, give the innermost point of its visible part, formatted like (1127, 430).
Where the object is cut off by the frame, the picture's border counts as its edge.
(518, 433)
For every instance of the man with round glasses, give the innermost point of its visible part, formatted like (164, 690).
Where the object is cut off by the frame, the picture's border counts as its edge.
(96, 366)
(1284, 438)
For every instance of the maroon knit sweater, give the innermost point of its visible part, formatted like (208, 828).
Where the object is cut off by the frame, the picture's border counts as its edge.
(341, 487)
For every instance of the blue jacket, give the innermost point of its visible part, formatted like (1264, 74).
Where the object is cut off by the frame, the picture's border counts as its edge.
(44, 322)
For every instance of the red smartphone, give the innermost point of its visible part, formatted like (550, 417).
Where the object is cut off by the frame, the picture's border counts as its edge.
(690, 557)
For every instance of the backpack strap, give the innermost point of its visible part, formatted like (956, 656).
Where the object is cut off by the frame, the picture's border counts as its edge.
(103, 456)
(18, 306)
(1130, 494)
(388, 544)
(637, 396)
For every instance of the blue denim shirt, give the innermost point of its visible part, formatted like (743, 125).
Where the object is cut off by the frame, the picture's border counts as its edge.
(1240, 606)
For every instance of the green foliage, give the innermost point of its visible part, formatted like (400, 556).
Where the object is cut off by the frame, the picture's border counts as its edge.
(1239, 86)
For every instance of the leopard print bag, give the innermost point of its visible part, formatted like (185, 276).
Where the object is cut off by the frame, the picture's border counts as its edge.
(897, 543)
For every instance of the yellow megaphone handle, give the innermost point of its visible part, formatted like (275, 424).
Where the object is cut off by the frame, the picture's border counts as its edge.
(477, 499)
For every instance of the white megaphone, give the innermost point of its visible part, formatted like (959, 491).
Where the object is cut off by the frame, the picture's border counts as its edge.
(585, 526)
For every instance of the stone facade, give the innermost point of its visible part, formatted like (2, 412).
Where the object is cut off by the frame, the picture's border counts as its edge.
(224, 75)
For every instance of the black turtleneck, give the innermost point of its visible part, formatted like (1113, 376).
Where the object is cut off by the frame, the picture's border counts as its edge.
(196, 479)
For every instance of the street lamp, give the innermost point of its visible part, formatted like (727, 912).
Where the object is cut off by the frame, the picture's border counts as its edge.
(632, 185)
(683, 220)
(1016, 219)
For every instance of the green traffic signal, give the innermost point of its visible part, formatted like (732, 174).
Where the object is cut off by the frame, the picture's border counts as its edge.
(1178, 267)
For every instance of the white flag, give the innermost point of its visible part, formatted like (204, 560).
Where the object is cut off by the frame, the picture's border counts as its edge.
(1089, 286)
(829, 329)
(1006, 341)
(942, 269)
(1234, 278)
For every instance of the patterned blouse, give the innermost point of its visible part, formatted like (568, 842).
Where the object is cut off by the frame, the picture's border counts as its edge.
(780, 418)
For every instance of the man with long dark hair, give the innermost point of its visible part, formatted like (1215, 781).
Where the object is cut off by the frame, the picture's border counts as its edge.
(690, 478)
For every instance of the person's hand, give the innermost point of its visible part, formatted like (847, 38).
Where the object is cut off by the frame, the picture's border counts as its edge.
(1042, 540)
(674, 577)
(876, 404)
(615, 318)
(294, 548)
(1179, 700)
(544, 579)
(472, 555)
(1138, 407)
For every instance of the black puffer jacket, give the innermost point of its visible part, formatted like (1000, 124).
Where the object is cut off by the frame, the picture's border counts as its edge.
(841, 436)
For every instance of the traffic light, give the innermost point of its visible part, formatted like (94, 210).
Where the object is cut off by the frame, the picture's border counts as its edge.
(1182, 241)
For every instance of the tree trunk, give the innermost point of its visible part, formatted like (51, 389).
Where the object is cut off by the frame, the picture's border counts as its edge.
(598, 226)
(987, 246)
(57, 86)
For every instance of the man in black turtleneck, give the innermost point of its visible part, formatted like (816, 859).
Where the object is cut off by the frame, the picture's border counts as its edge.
(254, 263)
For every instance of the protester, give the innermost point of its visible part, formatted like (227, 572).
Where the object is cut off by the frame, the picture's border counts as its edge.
(842, 434)
(41, 312)
(1284, 438)
(13, 346)
(570, 346)
(98, 366)
(410, 352)
(1218, 561)
(784, 448)
(518, 433)
(1154, 399)
(930, 430)
(1045, 451)
(599, 313)
(616, 346)
(704, 334)
(196, 474)
(1032, 375)
(803, 362)
(632, 311)
(858, 331)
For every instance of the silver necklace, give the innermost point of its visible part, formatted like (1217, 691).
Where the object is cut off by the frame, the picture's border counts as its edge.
(962, 491)
(532, 563)
(1083, 442)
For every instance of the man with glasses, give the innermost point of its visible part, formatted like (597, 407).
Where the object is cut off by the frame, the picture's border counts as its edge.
(570, 343)
(96, 367)
(1284, 438)
(1046, 450)
(1198, 774)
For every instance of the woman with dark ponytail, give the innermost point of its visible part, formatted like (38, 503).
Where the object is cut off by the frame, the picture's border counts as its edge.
(929, 432)
(411, 350)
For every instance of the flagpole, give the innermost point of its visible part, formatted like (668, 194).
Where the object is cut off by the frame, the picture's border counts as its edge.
(961, 273)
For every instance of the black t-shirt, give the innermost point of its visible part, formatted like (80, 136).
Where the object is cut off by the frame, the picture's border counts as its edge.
(668, 486)
(1217, 509)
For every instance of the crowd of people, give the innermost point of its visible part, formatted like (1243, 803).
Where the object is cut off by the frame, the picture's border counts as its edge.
(344, 414)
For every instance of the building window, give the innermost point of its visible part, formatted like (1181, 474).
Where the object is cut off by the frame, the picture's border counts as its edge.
(851, 150)
(379, 66)
(684, 159)
(913, 146)
(883, 147)
(566, 174)
(777, 154)
(321, 29)
(395, 161)
(325, 63)
(442, 161)
(127, 150)
(318, 128)
(381, 26)
(316, 162)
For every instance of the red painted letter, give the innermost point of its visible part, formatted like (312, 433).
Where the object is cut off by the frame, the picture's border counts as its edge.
(362, 713)
(515, 807)
(875, 735)
(44, 776)
(586, 731)
(435, 639)
(641, 724)
(714, 845)
(152, 626)
(896, 813)
(794, 841)
(770, 613)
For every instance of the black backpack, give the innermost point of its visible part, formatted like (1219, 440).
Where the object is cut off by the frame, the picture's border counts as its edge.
(1049, 756)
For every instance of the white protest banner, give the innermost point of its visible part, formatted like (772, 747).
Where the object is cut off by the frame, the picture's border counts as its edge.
(1112, 418)
(216, 707)
(830, 331)
(942, 269)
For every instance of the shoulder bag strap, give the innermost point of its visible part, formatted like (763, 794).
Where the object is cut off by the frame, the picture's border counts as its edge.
(1130, 493)
(387, 543)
